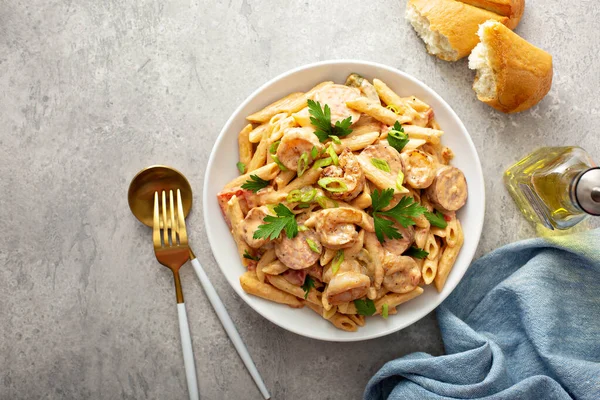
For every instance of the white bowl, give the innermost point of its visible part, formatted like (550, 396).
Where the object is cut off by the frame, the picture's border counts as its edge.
(222, 168)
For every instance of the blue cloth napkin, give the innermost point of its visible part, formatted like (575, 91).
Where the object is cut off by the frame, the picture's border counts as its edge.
(524, 323)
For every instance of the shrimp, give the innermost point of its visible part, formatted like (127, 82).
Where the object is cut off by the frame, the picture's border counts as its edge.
(402, 274)
(336, 227)
(350, 172)
(347, 286)
(420, 169)
(296, 253)
(295, 142)
(250, 224)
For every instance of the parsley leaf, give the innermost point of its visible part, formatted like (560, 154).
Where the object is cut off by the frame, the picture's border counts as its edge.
(401, 213)
(241, 167)
(381, 199)
(307, 285)
(397, 138)
(385, 227)
(250, 256)
(416, 253)
(404, 210)
(321, 120)
(255, 183)
(285, 220)
(436, 219)
(365, 307)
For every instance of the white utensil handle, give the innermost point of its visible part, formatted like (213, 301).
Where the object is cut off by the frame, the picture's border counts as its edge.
(217, 304)
(188, 352)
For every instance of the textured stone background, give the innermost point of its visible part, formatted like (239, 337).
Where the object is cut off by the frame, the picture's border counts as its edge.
(92, 91)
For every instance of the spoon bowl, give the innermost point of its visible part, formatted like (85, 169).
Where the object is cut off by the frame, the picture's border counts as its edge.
(156, 178)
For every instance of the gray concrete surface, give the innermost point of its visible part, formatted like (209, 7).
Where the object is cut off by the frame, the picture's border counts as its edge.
(92, 91)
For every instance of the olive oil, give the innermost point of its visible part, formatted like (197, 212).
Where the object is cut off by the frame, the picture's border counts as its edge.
(557, 187)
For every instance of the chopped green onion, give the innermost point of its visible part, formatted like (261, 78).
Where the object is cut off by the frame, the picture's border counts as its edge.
(309, 196)
(274, 146)
(303, 205)
(400, 181)
(241, 167)
(314, 152)
(337, 261)
(333, 155)
(385, 310)
(324, 202)
(279, 164)
(323, 162)
(340, 188)
(302, 163)
(335, 139)
(393, 108)
(381, 164)
(294, 196)
(302, 228)
(313, 246)
(271, 208)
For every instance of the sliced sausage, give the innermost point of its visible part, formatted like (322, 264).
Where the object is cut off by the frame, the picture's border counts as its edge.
(250, 224)
(399, 246)
(448, 192)
(336, 96)
(419, 169)
(296, 253)
(385, 152)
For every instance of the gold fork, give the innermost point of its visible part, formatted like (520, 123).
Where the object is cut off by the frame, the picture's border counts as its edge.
(171, 248)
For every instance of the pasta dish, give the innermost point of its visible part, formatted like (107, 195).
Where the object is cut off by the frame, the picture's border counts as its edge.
(346, 201)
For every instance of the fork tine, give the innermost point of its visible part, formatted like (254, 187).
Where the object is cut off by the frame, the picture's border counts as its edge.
(165, 220)
(172, 218)
(156, 224)
(181, 221)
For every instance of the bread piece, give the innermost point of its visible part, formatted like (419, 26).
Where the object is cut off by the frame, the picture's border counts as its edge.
(513, 9)
(448, 27)
(512, 74)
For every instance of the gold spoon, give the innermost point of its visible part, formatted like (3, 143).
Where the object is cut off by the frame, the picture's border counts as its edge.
(141, 201)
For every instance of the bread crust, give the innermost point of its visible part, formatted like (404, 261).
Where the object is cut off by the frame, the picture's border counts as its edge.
(513, 9)
(456, 21)
(523, 71)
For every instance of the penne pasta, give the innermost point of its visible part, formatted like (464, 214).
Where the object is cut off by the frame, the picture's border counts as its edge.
(257, 133)
(283, 178)
(429, 269)
(302, 117)
(452, 234)
(376, 111)
(244, 145)
(310, 177)
(432, 246)
(253, 286)
(282, 284)
(429, 135)
(235, 216)
(266, 259)
(356, 142)
(447, 260)
(274, 268)
(395, 299)
(267, 172)
(376, 252)
(281, 105)
(340, 321)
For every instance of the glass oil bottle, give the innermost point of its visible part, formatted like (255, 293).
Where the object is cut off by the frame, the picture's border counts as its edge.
(557, 187)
